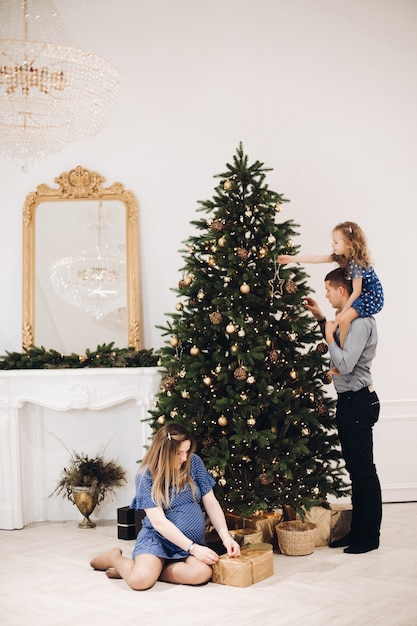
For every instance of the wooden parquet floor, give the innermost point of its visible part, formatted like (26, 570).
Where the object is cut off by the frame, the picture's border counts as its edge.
(46, 580)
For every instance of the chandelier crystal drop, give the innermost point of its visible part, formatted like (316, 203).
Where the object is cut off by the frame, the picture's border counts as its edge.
(51, 91)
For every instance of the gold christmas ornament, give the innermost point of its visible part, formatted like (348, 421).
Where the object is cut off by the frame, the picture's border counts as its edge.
(222, 242)
(174, 341)
(230, 328)
(293, 374)
(222, 482)
(271, 239)
(161, 419)
(211, 261)
(278, 207)
(262, 252)
(244, 288)
(227, 185)
(207, 380)
(222, 421)
(194, 351)
(179, 306)
(234, 348)
(290, 243)
(188, 280)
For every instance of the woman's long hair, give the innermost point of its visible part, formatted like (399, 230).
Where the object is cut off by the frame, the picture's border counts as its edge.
(162, 461)
(356, 240)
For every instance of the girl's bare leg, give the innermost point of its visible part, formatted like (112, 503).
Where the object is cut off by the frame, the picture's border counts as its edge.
(345, 321)
(142, 573)
(188, 572)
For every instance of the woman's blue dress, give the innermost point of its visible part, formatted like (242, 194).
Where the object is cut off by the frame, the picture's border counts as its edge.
(371, 299)
(185, 512)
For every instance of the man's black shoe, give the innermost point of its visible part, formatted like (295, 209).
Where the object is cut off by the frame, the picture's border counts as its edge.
(361, 547)
(347, 540)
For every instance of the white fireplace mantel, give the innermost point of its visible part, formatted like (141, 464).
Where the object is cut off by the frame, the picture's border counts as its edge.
(23, 397)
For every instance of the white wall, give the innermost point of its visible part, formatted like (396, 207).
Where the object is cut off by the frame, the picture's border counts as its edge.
(323, 91)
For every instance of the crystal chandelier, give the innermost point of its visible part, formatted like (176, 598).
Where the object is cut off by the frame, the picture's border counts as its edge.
(95, 281)
(51, 92)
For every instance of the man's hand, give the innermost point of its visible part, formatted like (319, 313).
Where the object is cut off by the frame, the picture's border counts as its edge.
(312, 306)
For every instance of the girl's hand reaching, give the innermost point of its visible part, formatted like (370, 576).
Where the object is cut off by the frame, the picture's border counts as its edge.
(284, 258)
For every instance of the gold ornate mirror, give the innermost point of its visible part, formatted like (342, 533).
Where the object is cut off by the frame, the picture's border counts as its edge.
(81, 265)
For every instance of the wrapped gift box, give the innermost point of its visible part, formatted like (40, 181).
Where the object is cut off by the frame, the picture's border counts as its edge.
(331, 523)
(341, 519)
(129, 522)
(247, 536)
(264, 522)
(252, 566)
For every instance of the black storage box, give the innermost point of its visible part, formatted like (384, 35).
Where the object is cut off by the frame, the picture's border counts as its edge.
(129, 522)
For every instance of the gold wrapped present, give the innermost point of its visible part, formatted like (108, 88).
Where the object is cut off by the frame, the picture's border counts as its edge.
(341, 518)
(321, 517)
(267, 522)
(331, 523)
(263, 521)
(250, 567)
(247, 536)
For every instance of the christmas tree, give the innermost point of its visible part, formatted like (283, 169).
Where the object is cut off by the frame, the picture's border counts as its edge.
(244, 362)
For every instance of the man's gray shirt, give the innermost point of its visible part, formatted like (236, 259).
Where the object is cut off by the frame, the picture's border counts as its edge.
(355, 360)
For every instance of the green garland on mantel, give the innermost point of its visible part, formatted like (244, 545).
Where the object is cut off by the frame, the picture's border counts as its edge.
(106, 355)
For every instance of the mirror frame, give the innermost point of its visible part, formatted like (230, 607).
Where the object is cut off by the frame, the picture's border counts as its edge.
(82, 184)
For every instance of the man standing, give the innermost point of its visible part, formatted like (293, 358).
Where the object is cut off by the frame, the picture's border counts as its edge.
(357, 410)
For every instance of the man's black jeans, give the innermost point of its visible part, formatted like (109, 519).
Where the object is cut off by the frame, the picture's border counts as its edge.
(356, 413)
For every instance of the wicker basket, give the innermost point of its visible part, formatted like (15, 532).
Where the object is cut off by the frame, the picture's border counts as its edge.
(296, 538)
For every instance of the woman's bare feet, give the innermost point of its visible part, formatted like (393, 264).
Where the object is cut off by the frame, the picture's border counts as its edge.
(105, 560)
(112, 573)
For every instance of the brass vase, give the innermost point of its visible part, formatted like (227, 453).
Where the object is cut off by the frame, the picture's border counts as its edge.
(85, 500)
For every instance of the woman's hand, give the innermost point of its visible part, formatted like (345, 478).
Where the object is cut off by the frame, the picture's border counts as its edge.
(204, 554)
(285, 258)
(232, 547)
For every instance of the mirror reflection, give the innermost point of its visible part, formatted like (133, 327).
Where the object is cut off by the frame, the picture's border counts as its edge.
(81, 265)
